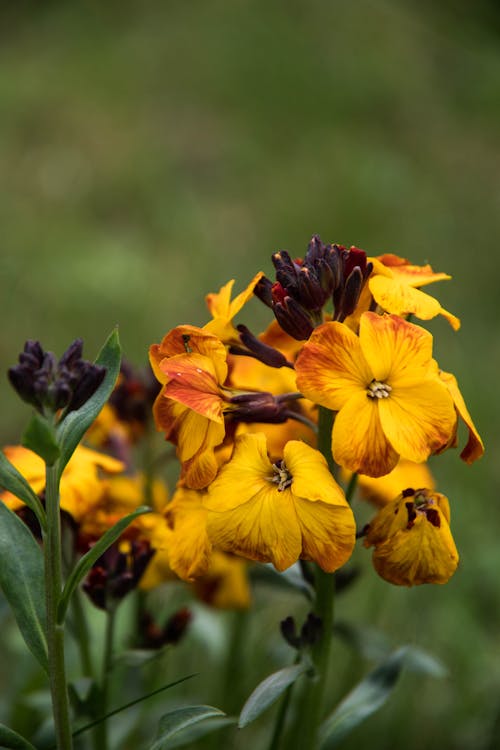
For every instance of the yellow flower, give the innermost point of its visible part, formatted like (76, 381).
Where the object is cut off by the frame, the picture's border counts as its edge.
(394, 284)
(382, 490)
(386, 390)
(223, 310)
(82, 484)
(180, 540)
(122, 495)
(412, 539)
(282, 511)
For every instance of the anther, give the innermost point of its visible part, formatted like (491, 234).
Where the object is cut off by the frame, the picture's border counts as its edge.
(376, 389)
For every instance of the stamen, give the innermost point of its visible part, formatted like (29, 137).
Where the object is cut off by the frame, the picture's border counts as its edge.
(376, 389)
(281, 477)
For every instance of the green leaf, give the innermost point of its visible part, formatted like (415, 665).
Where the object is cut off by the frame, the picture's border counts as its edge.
(40, 437)
(372, 692)
(176, 721)
(85, 563)
(13, 481)
(13, 740)
(197, 731)
(73, 427)
(269, 691)
(22, 581)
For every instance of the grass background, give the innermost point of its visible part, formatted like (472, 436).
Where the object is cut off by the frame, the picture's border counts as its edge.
(152, 151)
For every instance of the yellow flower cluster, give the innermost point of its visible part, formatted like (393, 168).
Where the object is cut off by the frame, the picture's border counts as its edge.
(243, 414)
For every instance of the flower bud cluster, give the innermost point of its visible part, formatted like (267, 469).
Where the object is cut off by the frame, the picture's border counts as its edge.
(116, 573)
(303, 287)
(50, 385)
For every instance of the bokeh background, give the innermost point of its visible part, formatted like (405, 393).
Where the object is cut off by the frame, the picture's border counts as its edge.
(152, 151)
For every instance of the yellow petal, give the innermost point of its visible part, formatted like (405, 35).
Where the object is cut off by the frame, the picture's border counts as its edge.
(394, 348)
(328, 533)
(474, 448)
(188, 339)
(358, 440)
(189, 546)
(418, 419)
(331, 367)
(264, 528)
(225, 584)
(243, 477)
(311, 478)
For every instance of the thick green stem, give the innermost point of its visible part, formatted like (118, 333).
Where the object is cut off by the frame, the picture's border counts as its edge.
(310, 710)
(55, 629)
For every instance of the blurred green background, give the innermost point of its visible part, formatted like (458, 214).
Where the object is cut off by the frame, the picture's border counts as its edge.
(153, 150)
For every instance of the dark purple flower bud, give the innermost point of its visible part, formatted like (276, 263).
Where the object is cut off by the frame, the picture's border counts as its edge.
(311, 630)
(258, 407)
(117, 573)
(153, 636)
(264, 353)
(55, 386)
(293, 319)
(263, 290)
(289, 632)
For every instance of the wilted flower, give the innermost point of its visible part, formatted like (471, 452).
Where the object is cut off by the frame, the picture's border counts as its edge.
(412, 539)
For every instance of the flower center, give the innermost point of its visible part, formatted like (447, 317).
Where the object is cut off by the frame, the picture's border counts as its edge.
(376, 389)
(281, 476)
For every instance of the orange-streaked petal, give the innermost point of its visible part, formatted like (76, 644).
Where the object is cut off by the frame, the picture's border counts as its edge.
(331, 367)
(191, 381)
(328, 533)
(188, 339)
(474, 448)
(394, 348)
(418, 419)
(358, 440)
(414, 275)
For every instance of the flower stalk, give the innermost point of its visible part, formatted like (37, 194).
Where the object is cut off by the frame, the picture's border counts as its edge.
(55, 629)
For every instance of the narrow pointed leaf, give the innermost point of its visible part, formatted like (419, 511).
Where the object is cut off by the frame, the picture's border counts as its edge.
(197, 731)
(269, 691)
(175, 722)
(13, 740)
(85, 563)
(40, 437)
(13, 481)
(76, 423)
(366, 698)
(22, 581)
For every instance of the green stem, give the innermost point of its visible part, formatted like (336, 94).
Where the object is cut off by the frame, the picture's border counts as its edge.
(55, 630)
(101, 733)
(311, 707)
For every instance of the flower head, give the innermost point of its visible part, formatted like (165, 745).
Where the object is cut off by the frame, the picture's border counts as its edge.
(395, 285)
(385, 387)
(279, 511)
(412, 539)
(223, 309)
